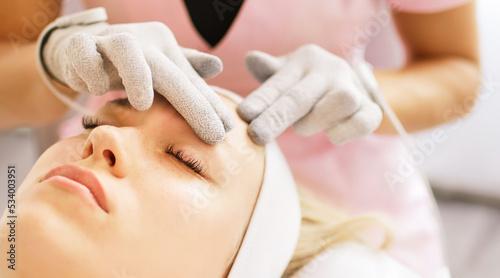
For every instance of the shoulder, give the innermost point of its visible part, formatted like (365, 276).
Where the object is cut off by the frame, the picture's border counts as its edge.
(353, 260)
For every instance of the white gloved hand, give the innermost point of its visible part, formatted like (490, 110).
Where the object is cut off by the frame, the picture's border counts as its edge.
(140, 58)
(312, 89)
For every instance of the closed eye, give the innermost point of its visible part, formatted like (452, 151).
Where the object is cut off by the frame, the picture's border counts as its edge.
(91, 122)
(187, 160)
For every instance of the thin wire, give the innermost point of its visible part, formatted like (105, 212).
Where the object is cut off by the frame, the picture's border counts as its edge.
(65, 99)
(408, 143)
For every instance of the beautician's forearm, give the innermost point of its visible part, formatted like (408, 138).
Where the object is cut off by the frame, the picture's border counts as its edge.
(24, 99)
(422, 93)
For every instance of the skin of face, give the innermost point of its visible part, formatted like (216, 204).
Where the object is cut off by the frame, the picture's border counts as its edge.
(163, 219)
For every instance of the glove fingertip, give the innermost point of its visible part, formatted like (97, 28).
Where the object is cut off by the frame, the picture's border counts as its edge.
(141, 104)
(261, 65)
(260, 135)
(338, 141)
(228, 123)
(210, 67)
(212, 140)
(338, 137)
(246, 112)
(211, 136)
(209, 129)
(206, 65)
(303, 129)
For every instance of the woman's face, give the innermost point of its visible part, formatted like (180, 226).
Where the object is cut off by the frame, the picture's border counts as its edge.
(172, 206)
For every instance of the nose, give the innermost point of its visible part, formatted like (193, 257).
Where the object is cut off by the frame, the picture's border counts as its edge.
(106, 146)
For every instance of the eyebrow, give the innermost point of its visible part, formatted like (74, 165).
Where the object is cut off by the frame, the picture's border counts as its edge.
(122, 102)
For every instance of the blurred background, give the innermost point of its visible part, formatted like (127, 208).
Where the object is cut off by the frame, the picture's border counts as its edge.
(464, 170)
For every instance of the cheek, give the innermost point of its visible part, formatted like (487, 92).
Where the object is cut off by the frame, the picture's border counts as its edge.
(62, 152)
(186, 220)
(183, 199)
(169, 186)
(65, 151)
(171, 198)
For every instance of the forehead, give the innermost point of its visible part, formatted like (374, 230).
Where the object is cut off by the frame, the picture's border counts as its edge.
(238, 135)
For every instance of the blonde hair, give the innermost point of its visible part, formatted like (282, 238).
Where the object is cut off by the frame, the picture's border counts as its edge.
(323, 226)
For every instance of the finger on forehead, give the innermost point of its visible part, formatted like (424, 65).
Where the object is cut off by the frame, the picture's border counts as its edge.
(171, 82)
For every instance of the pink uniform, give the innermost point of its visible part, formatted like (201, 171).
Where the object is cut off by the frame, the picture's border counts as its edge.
(365, 175)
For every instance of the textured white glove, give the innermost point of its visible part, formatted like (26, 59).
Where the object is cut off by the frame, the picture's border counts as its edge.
(312, 89)
(140, 58)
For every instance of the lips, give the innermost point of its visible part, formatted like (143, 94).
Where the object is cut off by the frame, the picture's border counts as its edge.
(85, 178)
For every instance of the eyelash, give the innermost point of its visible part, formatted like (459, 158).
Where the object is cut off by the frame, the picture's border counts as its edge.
(191, 162)
(90, 123)
(179, 154)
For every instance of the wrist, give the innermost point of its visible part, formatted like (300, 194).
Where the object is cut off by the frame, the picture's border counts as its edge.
(53, 55)
(58, 31)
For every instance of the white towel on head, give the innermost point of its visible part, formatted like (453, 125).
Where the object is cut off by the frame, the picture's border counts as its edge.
(273, 231)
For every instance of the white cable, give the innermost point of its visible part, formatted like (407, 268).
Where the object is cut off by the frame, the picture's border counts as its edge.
(408, 142)
(366, 72)
(62, 97)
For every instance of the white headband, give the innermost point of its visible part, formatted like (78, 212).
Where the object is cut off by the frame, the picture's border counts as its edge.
(273, 231)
